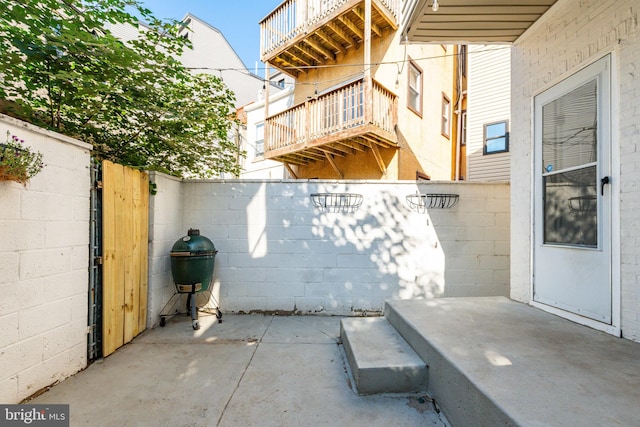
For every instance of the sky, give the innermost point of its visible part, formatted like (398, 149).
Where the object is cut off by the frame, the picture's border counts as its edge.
(238, 20)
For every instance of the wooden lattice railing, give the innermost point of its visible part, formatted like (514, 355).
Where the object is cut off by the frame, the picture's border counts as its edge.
(295, 17)
(339, 110)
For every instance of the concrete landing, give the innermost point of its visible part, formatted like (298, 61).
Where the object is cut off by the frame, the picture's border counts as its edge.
(381, 361)
(496, 362)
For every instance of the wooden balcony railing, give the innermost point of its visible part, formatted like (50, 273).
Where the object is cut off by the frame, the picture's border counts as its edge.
(300, 33)
(340, 121)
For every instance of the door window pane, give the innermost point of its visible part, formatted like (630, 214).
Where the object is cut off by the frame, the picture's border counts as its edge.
(569, 126)
(570, 208)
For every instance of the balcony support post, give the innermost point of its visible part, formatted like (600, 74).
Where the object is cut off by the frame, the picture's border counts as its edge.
(266, 131)
(367, 39)
(368, 85)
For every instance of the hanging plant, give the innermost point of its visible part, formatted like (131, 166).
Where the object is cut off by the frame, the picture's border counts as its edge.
(17, 161)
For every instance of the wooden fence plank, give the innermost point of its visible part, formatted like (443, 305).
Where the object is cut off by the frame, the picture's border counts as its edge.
(143, 243)
(125, 244)
(112, 291)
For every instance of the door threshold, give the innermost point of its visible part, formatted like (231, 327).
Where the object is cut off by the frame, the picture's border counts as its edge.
(593, 324)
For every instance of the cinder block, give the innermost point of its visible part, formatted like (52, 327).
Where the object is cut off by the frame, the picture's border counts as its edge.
(38, 206)
(9, 201)
(39, 319)
(9, 267)
(66, 233)
(40, 263)
(10, 333)
(9, 390)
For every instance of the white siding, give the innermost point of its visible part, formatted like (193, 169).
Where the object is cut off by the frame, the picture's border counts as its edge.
(489, 101)
(260, 168)
(212, 54)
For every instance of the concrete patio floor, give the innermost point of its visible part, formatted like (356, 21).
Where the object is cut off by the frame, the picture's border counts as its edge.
(249, 370)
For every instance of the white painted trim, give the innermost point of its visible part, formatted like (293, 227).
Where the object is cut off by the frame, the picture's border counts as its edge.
(614, 160)
(594, 324)
(616, 242)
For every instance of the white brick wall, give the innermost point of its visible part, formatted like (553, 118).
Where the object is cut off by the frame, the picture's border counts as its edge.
(278, 253)
(44, 238)
(570, 36)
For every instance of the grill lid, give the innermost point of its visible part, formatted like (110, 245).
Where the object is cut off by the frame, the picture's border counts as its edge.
(193, 244)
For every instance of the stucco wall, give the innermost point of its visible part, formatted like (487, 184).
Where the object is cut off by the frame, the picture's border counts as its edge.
(567, 38)
(278, 253)
(422, 146)
(44, 240)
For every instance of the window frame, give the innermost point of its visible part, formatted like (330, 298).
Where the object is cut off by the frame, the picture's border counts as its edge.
(413, 66)
(445, 119)
(485, 151)
(259, 142)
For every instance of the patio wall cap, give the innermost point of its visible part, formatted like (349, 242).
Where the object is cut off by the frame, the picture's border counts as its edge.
(45, 132)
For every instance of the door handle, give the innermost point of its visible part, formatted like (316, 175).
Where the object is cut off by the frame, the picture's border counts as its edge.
(603, 182)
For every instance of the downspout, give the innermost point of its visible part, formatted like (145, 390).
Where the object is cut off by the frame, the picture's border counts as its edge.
(459, 94)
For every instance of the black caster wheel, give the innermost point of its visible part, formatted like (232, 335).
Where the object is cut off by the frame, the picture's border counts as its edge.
(219, 317)
(163, 322)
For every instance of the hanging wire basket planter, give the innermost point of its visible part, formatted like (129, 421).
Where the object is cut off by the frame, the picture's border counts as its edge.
(422, 202)
(583, 206)
(337, 202)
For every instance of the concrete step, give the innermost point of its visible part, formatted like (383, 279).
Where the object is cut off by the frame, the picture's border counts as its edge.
(463, 401)
(381, 361)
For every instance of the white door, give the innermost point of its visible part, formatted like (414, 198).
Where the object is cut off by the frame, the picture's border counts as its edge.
(572, 218)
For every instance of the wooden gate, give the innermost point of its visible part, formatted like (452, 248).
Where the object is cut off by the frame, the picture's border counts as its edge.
(125, 231)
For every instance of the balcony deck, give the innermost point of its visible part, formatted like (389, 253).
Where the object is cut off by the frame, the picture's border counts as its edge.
(300, 34)
(338, 123)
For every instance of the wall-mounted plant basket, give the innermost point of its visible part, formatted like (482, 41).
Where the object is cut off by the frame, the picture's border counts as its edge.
(422, 202)
(583, 205)
(337, 202)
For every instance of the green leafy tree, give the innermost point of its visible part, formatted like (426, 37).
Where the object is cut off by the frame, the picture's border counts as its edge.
(60, 67)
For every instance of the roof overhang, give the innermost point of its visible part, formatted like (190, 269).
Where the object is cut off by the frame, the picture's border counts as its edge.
(470, 21)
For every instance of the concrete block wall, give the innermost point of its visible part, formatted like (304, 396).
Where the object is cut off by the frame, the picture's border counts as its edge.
(44, 240)
(279, 253)
(165, 227)
(567, 38)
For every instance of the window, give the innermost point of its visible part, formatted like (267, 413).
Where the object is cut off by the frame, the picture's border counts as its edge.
(259, 140)
(446, 116)
(496, 138)
(414, 97)
(280, 83)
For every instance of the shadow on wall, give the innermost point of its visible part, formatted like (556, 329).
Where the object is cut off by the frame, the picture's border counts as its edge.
(397, 250)
(280, 253)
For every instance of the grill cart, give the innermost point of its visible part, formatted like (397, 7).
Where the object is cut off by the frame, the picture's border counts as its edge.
(192, 262)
